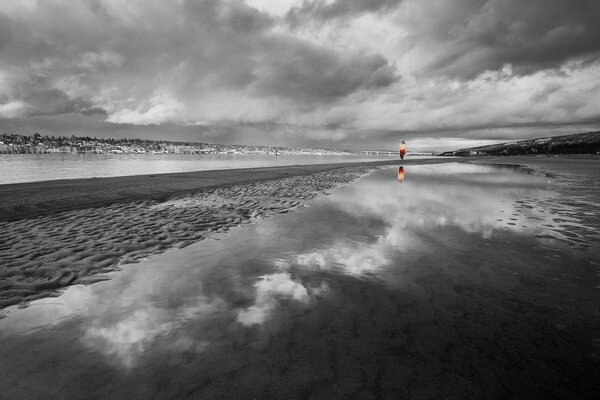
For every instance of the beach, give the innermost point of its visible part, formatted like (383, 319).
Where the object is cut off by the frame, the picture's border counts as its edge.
(457, 278)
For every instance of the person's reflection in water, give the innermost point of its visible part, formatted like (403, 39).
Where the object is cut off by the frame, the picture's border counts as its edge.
(401, 174)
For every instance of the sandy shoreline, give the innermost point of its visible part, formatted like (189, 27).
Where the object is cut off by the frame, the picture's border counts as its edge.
(27, 200)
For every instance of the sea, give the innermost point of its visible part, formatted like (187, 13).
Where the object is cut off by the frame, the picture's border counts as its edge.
(19, 168)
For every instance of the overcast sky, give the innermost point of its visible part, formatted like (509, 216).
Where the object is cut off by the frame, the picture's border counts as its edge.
(354, 74)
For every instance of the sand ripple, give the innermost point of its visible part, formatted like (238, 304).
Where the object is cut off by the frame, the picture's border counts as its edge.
(574, 215)
(40, 256)
(569, 215)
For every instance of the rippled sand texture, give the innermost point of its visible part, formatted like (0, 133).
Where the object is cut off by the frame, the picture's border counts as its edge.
(570, 215)
(576, 218)
(42, 255)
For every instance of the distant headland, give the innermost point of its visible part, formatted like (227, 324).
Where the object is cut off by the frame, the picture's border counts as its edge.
(38, 144)
(580, 143)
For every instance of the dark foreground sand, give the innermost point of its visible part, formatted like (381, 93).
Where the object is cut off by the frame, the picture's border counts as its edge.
(60, 233)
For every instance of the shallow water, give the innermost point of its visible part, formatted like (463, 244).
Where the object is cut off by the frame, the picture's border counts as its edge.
(17, 168)
(439, 281)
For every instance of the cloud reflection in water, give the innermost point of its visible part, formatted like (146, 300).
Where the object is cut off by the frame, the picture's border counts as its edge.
(414, 214)
(269, 289)
(125, 339)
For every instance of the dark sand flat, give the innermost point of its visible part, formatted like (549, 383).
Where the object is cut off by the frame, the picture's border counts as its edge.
(27, 200)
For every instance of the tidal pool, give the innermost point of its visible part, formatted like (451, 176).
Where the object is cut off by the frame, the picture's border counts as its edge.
(433, 281)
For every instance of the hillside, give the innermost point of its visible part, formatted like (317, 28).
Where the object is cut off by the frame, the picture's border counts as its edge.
(580, 143)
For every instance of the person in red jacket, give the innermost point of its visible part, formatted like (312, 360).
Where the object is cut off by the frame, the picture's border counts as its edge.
(402, 149)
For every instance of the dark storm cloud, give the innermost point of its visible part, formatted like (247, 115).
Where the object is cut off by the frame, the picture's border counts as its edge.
(283, 65)
(52, 102)
(41, 99)
(94, 111)
(472, 36)
(323, 10)
(303, 71)
(467, 37)
(129, 60)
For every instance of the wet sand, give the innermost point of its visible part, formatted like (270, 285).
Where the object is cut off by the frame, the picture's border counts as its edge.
(575, 179)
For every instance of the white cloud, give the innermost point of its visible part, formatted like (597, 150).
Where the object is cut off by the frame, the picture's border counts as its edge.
(278, 7)
(160, 108)
(13, 109)
(92, 61)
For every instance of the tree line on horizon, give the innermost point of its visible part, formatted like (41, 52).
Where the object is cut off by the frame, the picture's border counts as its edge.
(36, 143)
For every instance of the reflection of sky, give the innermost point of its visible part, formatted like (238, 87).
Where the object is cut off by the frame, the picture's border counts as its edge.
(194, 298)
(431, 198)
(122, 340)
(268, 289)
(474, 198)
(168, 303)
